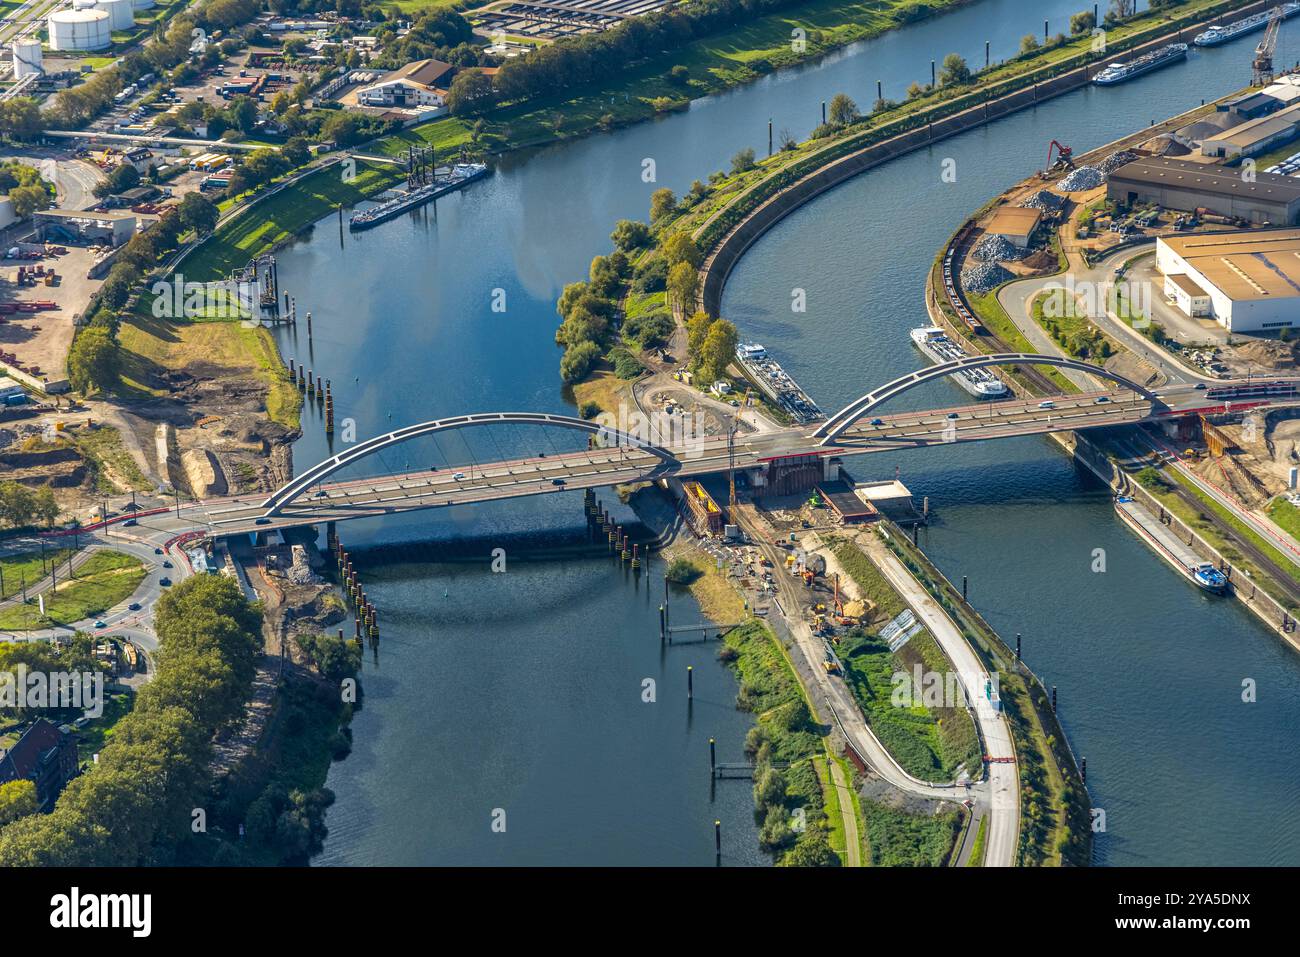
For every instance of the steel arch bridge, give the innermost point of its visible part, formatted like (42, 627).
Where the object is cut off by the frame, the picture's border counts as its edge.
(838, 423)
(317, 473)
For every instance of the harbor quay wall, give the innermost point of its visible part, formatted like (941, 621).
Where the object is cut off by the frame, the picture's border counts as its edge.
(1263, 605)
(720, 261)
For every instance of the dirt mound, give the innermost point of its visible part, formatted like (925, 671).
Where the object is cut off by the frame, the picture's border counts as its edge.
(1043, 259)
(1269, 353)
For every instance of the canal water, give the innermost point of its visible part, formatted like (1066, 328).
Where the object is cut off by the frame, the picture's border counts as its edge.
(522, 691)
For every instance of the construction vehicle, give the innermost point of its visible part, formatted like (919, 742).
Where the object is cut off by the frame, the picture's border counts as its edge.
(1064, 159)
(831, 667)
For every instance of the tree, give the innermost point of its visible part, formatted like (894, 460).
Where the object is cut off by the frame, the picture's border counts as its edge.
(577, 361)
(681, 248)
(843, 110)
(662, 202)
(697, 327)
(1028, 44)
(198, 213)
(630, 234)
(17, 799)
(954, 71)
(718, 350)
(470, 93)
(1082, 22)
(683, 283)
(28, 199)
(92, 360)
(681, 571)
(743, 160)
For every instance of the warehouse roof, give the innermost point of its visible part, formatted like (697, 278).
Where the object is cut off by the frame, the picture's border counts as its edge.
(1014, 221)
(1214, 180)
(1258, 131)
(1188, 285)
(1244, 265)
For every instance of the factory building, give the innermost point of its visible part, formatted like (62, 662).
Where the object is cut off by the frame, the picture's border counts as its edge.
(1016, 224)
(1183, 185)
(1248, 282)
(1255, 136)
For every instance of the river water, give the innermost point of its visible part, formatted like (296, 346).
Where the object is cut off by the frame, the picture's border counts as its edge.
(522, 691)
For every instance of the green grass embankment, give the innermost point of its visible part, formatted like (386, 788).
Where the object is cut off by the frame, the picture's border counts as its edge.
(106, 578)
(931, 742)
(29, 568)
(276, 219)
(1055, 811)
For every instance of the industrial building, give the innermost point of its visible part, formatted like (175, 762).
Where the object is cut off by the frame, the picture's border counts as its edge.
(412, 85)
(88, 226)
(1269, 198)
(1254, 136)
(1016, 224)
(1245, 281)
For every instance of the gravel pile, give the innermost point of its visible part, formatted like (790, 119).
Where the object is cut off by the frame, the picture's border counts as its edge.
(1115, 160)
(1044, 200)
(996, 249)
(984, 277)
(1081, 179)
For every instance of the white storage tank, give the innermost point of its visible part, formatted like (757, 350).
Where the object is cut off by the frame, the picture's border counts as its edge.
(121, 15)
(27, 58)
(79, 30)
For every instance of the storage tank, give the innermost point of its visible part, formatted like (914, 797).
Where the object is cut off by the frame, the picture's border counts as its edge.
(121, 15)
(27, 58)
(83, 4)
(79, 30)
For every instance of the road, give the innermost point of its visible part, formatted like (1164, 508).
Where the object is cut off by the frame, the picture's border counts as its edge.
(592, 468)
(999, 798)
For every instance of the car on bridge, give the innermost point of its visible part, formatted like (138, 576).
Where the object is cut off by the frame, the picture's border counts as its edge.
(557, 481)
(1100, 399)
(458, 476)
(877, 421)
(262, 521)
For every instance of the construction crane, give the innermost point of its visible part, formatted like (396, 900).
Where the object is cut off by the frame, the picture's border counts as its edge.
(1261, 68)
(1064, 158)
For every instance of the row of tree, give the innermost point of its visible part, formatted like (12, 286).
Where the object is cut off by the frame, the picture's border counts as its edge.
(21, 506)
(136, 804)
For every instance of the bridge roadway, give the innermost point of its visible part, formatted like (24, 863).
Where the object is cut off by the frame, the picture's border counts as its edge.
(591, 468)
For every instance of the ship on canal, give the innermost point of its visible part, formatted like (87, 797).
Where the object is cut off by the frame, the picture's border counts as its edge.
(1256, 21)
(776, 384)
(938, 348)
(444, 182)
(1118, 71)
(1168, 546)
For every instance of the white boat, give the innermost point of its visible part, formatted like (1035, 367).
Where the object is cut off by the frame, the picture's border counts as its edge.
(938, 348)
(1256, 21)
(1120, 71)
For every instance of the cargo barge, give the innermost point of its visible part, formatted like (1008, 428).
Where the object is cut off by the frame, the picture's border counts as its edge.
(938, 348)
(455, 178)
(1118, 72)
(776, 384)
(1200, 573)
(1256, 21)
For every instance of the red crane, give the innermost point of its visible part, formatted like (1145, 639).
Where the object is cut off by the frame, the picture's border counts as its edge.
(1064, 156)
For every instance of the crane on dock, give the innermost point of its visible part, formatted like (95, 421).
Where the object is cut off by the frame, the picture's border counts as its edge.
(1261, 68)
(1064, 158)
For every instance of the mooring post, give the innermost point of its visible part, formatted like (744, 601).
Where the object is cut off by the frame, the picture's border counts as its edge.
(717, 839)
(662, 625)
(713, 758)
(963, 587)
(690, 682)
(1017, 646)
(1053, 699)
(1083, 769)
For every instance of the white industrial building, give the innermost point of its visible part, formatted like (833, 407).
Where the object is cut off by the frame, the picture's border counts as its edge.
(79, 30)
(1247, 281)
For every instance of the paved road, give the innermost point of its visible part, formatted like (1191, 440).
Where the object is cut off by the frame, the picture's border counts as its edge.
(852, 840)
(363, 498)
(1000, 796)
